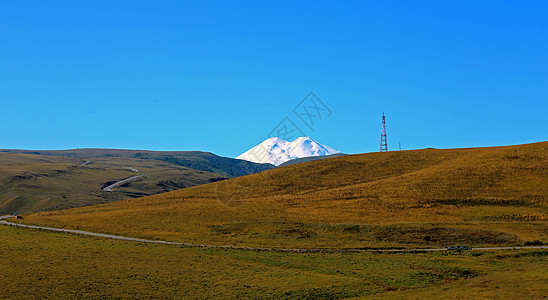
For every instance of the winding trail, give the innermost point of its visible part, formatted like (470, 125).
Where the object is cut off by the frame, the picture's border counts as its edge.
(117, 183)
(289, 250)
(85, 163)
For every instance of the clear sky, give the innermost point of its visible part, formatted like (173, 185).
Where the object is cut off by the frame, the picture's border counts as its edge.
(220, 76)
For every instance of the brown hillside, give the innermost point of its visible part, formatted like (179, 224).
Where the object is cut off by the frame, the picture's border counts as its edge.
(478, 196)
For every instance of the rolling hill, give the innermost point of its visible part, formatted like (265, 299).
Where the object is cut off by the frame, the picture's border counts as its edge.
(197, 160)
(309, 158)
(32, 181)
(421, 198)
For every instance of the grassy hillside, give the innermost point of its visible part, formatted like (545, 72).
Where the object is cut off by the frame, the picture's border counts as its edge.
(38, 264)
(309, 158)
(33, 181)
(30, 183)
(197, 160)
(423, 198)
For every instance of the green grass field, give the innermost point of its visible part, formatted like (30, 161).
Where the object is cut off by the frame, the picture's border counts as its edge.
(37, 264)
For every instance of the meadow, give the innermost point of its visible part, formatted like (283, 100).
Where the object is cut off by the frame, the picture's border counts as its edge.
(45, 265)
(424, 198)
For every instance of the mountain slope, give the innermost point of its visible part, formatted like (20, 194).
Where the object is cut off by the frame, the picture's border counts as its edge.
(309, 158)
(277, 151)
(478, 196)
(49, 180)
(197, 160)
(30, 182)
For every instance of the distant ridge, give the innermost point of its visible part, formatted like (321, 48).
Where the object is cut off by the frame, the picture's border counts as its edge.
(197, 160)
(41, 180)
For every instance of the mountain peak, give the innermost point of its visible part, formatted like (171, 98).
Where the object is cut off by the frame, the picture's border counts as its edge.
(276, 151)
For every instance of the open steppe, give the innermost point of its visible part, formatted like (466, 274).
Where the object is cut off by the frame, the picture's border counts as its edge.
(60, 266)
(425, 198)
(477, 197)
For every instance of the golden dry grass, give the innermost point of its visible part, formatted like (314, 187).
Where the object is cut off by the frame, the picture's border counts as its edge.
(477, 196)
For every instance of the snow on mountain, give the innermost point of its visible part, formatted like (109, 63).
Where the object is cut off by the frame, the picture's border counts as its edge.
(276, 151)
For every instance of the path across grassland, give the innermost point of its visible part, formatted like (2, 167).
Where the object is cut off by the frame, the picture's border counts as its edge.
(117, 183)
(123, 238)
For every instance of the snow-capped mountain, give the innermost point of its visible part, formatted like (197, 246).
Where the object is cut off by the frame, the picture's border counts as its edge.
(276, 151)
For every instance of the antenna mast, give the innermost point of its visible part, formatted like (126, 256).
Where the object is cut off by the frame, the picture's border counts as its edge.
(384, 142)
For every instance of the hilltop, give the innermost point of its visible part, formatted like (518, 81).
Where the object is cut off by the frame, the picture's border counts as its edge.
(197, 160)
(476, 196)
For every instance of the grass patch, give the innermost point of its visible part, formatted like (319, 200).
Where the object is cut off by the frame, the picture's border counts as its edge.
(484, 202)
(420, 198)
(38, 263)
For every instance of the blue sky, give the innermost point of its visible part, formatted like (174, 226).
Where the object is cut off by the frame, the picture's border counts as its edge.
(220, 76)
